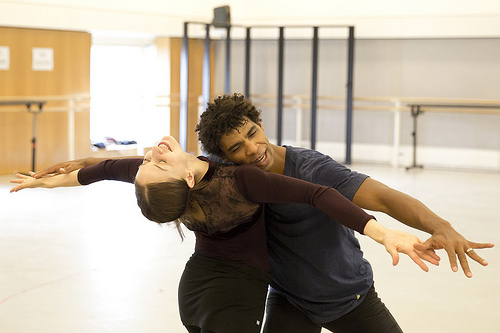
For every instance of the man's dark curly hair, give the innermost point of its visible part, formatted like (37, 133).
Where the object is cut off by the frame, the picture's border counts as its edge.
(221, 117)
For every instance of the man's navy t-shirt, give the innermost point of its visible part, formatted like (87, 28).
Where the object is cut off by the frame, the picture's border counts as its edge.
(317, 263)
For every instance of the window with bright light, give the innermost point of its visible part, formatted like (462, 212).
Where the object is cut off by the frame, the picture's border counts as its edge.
(124, 94)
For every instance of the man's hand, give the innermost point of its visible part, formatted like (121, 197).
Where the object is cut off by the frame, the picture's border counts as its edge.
(68, 166)
(456, 246)
(61, 168)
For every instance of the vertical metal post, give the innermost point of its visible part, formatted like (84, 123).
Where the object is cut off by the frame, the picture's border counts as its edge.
(33, 143)
(247, 64)
(34, 133)
(314, 91)
(415, 112)
(349, 97)
(227, 88)
(206, 68)
(33, 138)
(281, 48)
(71, 130)
(397, 132)
(184, 74)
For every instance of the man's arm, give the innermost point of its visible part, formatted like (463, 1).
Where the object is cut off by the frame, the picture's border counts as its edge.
(375, 196)
(257, 185)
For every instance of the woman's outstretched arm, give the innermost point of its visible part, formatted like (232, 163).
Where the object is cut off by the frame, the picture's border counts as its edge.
(113, 169)
(260, 186)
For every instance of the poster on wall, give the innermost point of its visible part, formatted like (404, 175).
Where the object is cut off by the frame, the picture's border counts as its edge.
(43, 59)
(4, 58)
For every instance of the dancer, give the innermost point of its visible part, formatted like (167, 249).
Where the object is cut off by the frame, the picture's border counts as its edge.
(309, 291)
(338, 296)
(224, 285)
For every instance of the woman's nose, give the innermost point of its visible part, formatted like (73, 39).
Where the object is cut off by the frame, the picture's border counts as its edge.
(155, 153)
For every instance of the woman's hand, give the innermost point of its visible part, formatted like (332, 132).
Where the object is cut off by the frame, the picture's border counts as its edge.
(25, 181)
(396, 242)
(49, 181)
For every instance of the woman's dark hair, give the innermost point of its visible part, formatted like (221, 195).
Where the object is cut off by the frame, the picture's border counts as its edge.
(221, 117)
(163, 202)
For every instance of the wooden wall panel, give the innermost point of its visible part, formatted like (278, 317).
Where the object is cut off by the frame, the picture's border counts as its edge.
(71, 76)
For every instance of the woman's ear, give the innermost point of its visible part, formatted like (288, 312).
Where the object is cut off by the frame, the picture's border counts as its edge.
(190, 178)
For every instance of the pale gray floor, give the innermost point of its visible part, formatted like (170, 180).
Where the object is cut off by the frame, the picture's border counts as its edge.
(85, 260)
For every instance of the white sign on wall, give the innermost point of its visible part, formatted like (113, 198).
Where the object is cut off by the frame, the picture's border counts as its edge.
(43, 59)
(4, 58)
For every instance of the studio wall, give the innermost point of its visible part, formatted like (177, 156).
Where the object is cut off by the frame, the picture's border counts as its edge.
(69, 77)
(387, 68)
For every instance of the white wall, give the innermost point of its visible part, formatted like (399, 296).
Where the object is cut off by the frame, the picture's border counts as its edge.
(373, 19)
(416, 68)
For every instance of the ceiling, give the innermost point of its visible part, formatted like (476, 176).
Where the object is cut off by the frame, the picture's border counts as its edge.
(373, 19)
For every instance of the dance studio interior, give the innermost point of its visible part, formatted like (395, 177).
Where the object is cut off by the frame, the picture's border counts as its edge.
(406, 92)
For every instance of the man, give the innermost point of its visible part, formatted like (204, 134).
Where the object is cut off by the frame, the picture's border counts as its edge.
(320, 279)
(316, 282)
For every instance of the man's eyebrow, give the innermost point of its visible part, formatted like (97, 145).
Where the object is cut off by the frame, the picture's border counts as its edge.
(251, 129)
(230, 148)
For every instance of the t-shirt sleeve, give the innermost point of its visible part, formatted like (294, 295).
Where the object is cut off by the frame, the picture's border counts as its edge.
(315, 167)
(122, 170)
(266, 187)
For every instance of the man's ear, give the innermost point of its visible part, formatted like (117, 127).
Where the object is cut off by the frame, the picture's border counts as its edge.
(260, 125)
(190, 178)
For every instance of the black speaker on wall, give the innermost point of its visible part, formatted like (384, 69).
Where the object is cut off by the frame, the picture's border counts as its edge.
(222, 17)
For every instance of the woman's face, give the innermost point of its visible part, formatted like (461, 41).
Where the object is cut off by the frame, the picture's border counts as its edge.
(164, 162)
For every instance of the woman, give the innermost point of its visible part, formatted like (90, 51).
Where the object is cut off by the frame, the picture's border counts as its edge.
(224, 285)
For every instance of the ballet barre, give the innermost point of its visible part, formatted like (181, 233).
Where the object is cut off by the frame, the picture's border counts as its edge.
(416, 109)
(396, 105)
(35, 113)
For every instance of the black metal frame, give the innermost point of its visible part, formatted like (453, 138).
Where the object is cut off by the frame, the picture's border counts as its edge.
(35, 113)
(314, 90)
(184, 88)
(281, 50)
(281, 67)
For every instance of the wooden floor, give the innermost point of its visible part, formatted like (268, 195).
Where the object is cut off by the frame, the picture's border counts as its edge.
(85, 260)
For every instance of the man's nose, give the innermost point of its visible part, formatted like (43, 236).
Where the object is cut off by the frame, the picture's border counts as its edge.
(251, 148)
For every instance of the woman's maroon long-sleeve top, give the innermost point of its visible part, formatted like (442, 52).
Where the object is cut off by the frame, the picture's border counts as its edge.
(231, 198)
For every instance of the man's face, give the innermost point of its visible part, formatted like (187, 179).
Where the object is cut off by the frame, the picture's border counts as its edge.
(248, 144)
